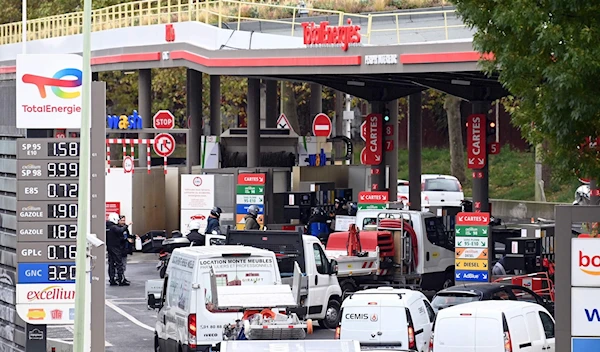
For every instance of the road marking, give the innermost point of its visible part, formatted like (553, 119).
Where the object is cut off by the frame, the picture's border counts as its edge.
(128, 316)
(70, 341)
(116, 300)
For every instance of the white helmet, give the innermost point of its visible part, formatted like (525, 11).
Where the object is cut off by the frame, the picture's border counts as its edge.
(194, 225)
(114, 218)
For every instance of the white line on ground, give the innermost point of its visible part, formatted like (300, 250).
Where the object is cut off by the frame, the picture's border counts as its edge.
(70, 341)
(128, 316)
(134, 299)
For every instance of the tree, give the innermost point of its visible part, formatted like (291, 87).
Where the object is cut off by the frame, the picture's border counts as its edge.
(455, 140)
(546, 55)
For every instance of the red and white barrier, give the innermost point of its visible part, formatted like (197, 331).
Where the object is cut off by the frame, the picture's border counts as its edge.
(132, 142)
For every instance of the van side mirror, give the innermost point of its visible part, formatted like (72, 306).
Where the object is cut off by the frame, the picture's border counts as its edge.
(153, 303)
(333, 267)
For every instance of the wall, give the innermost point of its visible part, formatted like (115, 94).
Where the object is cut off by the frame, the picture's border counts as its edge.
(172, 203)
(12, 336)
(119, 189)
(148, 204)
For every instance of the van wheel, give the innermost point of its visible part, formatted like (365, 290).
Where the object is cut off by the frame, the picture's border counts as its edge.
(332, 315)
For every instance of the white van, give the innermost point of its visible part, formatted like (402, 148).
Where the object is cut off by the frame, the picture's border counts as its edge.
(493, 326)
(206, 289)
(387, 316)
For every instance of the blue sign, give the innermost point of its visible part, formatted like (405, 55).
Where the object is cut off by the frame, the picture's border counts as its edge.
(243, 208)
(473, 276)
(585, 344)
(46, 273)
(124, 122)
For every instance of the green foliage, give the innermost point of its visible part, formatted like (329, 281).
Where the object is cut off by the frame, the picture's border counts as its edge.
(549, 59)
(511, 174)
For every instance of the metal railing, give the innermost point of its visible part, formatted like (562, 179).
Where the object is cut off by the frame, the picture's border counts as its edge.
(218, 12)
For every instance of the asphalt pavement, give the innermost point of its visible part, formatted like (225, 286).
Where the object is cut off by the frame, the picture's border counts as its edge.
(129, 323)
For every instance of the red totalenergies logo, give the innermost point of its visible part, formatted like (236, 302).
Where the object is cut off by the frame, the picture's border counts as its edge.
(57, 82)
(589, 264)
(326, 34)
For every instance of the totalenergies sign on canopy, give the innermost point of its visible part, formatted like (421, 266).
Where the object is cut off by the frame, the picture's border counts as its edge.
(326, 35)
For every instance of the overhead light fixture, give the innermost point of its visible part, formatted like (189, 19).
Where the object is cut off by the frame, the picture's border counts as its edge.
(460, 82)
(356, 83)
(128, 72)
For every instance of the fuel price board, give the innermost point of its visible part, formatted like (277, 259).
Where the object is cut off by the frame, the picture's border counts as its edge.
(47, 211)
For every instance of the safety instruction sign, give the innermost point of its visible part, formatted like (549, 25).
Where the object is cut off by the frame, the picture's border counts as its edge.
(471, 262)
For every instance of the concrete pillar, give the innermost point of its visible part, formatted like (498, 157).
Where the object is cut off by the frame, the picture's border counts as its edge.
(378, 176)
(253, 131)
(415, 135)
(194, 109)
(271, 108)
(316, 102)
(144, 107)
(391, 157)
(215, 105)
(339, 122)
(481, 194)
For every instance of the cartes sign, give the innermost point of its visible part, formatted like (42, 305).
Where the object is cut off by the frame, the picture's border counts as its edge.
(373, 136)
(481, 219)
(372, 197)
(476, 143)
(324, 34)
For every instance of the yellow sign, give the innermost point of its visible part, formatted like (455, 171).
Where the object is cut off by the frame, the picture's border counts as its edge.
(471, 264)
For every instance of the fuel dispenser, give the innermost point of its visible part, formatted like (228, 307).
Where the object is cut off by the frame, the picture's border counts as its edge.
(524, 255)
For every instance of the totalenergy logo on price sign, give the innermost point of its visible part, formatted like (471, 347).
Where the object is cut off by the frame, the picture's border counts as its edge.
(471, 247)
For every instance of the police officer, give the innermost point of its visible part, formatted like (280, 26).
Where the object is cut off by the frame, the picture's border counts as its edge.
(114, 247)
(195, 237)
(213, 221)
(250, 218)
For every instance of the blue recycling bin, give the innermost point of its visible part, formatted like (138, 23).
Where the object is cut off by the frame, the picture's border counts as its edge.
(318, 228)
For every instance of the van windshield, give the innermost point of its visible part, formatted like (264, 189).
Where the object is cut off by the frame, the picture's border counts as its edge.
(448, 299)
(250, 271)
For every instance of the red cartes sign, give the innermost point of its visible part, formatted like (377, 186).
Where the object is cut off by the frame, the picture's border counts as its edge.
(372, 134)
(476, 146)
(326, 34)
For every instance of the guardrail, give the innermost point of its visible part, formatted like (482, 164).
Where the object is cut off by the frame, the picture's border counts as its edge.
(215, 12)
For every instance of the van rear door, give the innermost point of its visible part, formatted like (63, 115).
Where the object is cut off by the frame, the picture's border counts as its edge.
(393, 324)
(489, 335)
(361, 323)
(455, 334)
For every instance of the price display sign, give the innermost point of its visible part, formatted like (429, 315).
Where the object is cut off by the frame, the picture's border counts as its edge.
(47, 211)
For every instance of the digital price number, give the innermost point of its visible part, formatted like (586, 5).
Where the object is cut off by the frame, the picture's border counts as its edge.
(63, 169)
(62, 190)
(62, 251)
(61, 272)
(63, 211)
(63, 149)
(62, 231)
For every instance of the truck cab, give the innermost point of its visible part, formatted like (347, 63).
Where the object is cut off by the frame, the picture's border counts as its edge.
(320, 290)
(434, 255)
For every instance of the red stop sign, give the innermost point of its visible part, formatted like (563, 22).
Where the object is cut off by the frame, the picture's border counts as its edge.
(163, 120)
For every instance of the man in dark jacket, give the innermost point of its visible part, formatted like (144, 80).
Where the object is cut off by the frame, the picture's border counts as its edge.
(127, 242)
(114, 245)
(250, 218)
(195, 237)
(213, 221)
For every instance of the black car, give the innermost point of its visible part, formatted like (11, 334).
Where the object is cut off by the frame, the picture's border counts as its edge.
(459, 294)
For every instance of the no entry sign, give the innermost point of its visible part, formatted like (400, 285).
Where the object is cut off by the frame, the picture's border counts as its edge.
(164, 144)
(476, 143)
(321, 126)
(372, 134)
(163, 120)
